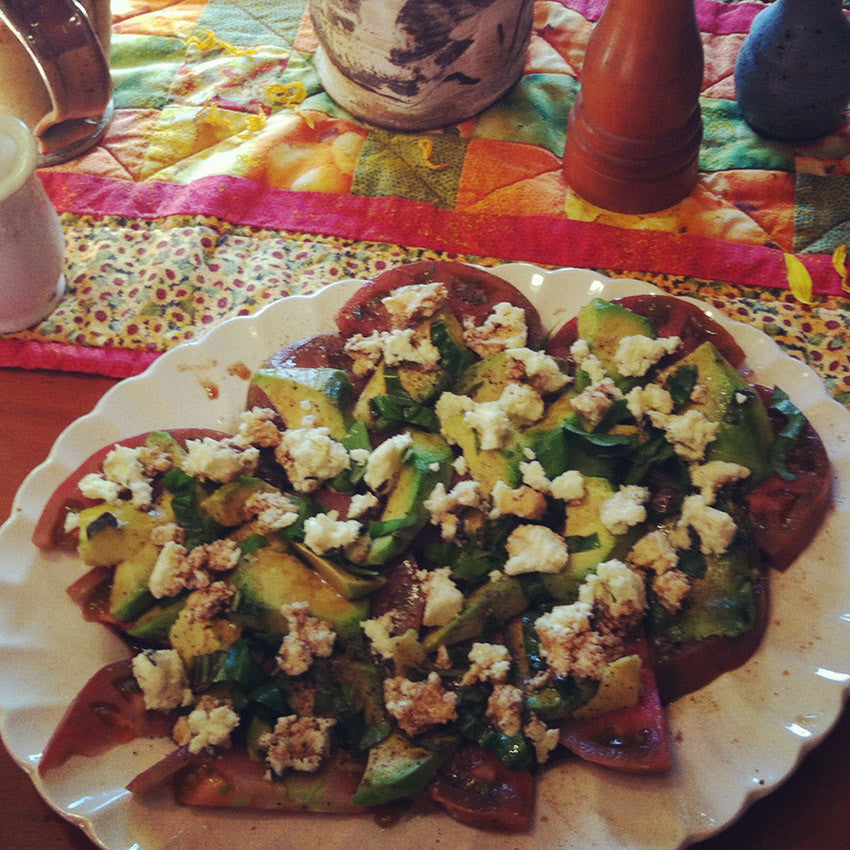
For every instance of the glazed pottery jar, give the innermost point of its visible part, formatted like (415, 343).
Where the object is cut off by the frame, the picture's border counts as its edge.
(420, 64)
(792, 75)
(635, 129)
(32, 245)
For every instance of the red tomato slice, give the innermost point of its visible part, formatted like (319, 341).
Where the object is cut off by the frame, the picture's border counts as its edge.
(234, 781)
(475, 788)
(109, 710)
(166, 769)
(472, 294)
(91, 593)
(671, 316)
(786, 515)
(632, 740)
(50, 529)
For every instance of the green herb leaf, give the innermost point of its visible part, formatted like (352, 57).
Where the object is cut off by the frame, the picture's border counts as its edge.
(188, 493)
(681, 384)
(582, 543)
(396, 409)
(252, 543)
(784, 442)
(453, 358)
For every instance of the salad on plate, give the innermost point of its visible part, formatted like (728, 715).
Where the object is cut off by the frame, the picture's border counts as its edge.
(443, 548)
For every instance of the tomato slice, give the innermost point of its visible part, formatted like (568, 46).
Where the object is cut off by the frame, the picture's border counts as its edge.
(631, 740)
(232, 780)
(475, 788)
(786, 515)
(49, 531)
(671, 316)
(109, 710)
(472, 294)
(166, 769)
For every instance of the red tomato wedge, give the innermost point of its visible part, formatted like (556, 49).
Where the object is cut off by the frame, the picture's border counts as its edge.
(109, 710)
(166, 769)
(234, 781)
(472, 295)
(671, 317)
(50, 529)
(786, 515)
(475, 788)
(631, 740)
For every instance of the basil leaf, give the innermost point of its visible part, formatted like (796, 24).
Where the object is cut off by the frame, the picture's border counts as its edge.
(681, 384)
(253, 542)
(582, 543)
(187, 494)
(784, 442)
(390, 526)
(395, 409)
(453, 358)
(655, 450)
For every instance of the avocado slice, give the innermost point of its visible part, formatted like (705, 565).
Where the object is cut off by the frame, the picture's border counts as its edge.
(110, 534)
(582, 524)
(619, 688)
(502, 599)
(603, 324)
(155, 624)
(226, 505)
(345, 583)
(296, 391)
(191, 637)
(130, 595)
(267, 579)
(397, 767)
(745, 435)
(427, 462)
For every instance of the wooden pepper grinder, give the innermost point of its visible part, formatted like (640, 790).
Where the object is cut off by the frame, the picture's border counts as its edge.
(792, 76)
(634, 132)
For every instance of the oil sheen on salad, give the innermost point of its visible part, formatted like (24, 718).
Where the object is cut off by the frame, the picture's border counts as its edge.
(443, 548)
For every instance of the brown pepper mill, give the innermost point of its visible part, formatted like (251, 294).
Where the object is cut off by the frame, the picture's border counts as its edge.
(634, 132)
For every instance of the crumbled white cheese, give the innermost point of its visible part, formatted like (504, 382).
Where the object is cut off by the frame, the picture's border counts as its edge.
(689, 433)
(671, 589)
(541, 371)
(168, 577)
(523, 501)
(218, 460)
(360, 503)
(544, 740)
(406, 346)
(359, 456)
(588, 362)
(95, 486)
(385, 461)
(489, 420)
(123, 465)
(569, 644)
(310, 456)
(741, 398)
(636, 355)
(410, 304)
(170, 531)
(207, 726)
(365, 351)
(653, 552)
(504, 709)
(162, 678)
(653, 398)
(504, 328)
(534, 476)
(624, 509)
(324, 532)
(443, 599)
(522, 404)
(273, 511)
(535, 548)
(257, 427)
(379, 632)
(711, 476)
(460, 465)
(568, 486)
(616, 589)
(418, 706)
(446, 508)
(208, 603)
(72, 522)
(297, 743)
(308, 638)
(594, 401)
(714, 528)
(489, 662)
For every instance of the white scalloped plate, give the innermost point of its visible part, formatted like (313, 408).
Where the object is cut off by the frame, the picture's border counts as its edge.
(735, 739)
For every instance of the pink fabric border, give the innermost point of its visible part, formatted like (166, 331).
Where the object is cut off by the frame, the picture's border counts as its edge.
(713, 17)
(536, 239)
(67, 357)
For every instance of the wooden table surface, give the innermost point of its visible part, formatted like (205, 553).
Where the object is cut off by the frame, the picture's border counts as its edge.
(811, 810)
